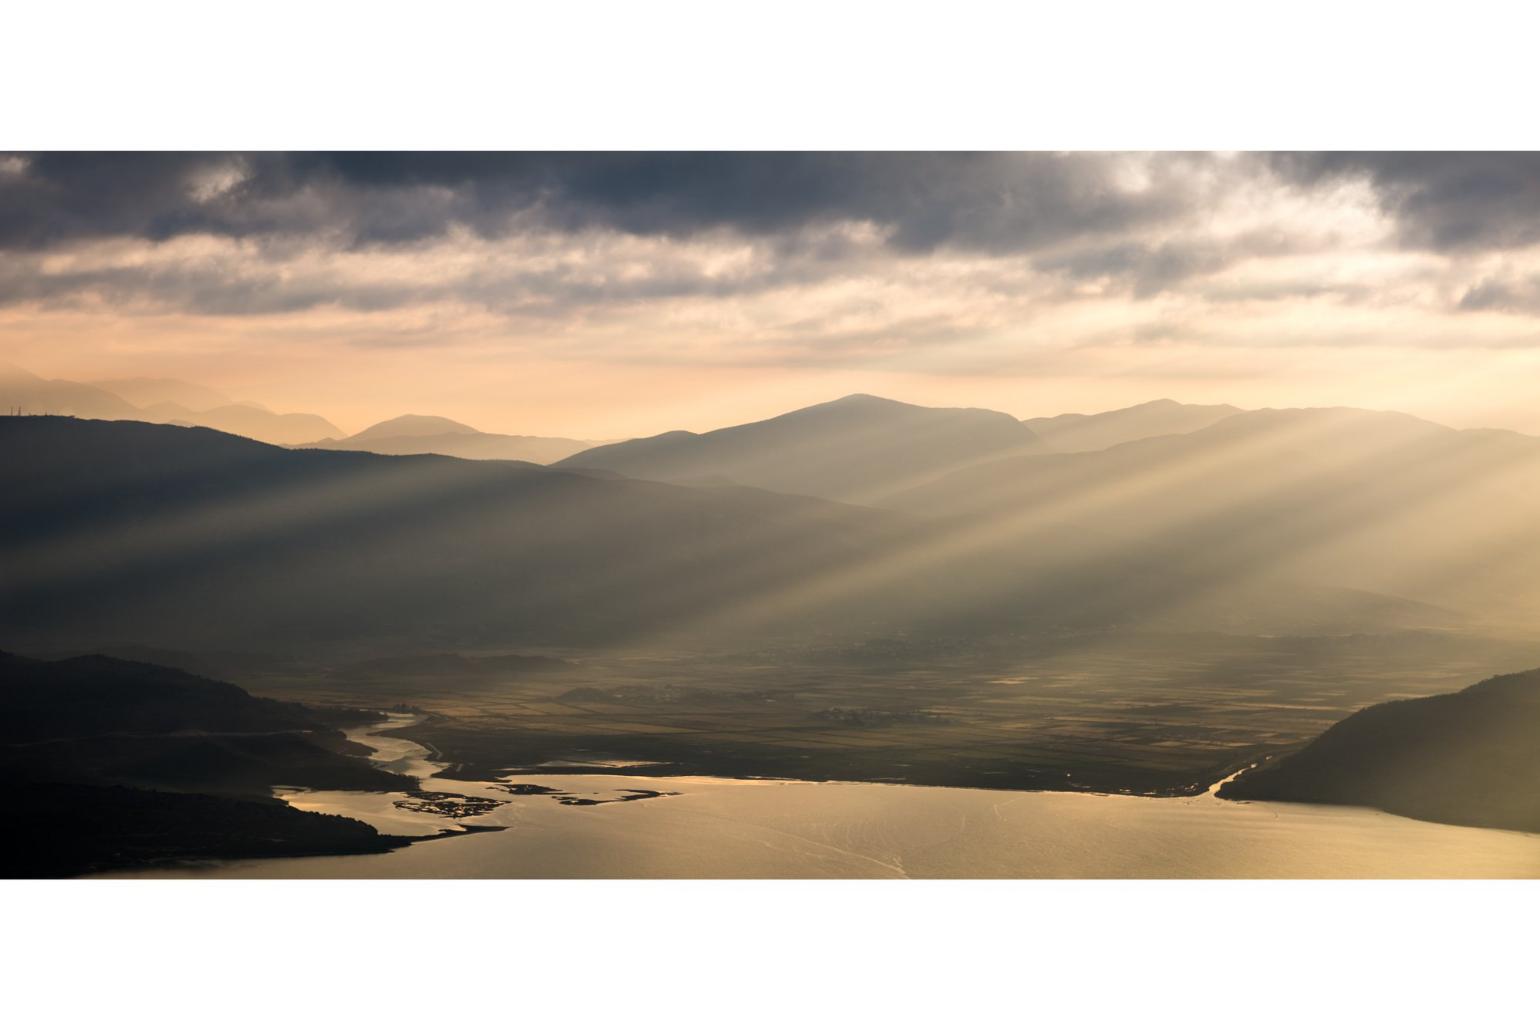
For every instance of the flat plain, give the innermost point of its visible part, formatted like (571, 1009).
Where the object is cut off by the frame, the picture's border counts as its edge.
(1135, 713)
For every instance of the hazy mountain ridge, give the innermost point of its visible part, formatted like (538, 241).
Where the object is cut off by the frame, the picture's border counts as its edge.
(866, 449)
(1469, 758)
(167, 401)
(145, 392)
(1070, 433)
(857, 449)
(432, 434)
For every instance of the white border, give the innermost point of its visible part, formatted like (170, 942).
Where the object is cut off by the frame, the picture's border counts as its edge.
(757, 954)
(790, 75)
(345, 74)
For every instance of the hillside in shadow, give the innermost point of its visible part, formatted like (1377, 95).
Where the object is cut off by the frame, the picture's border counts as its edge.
(1470, 758)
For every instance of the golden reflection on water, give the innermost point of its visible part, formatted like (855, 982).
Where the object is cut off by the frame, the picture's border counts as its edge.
(777, 829)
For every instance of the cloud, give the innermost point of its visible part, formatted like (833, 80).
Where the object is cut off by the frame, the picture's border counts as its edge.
(1448, 202)
(994, 203)
(935, 263)
(1508, 294)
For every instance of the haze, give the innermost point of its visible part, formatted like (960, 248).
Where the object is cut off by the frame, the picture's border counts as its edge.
(603, 296)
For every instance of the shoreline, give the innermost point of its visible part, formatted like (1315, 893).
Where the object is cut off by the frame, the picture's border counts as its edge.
(653, 771)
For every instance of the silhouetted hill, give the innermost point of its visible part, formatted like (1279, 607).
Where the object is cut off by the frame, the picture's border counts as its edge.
(59, 830)
(430, 434)
(1471, 758)
(117, 764)
(102, 720)
(92, 695)
(858, 449)
(1067, 434)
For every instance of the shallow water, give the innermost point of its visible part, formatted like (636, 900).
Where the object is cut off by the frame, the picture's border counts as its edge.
(757, 828)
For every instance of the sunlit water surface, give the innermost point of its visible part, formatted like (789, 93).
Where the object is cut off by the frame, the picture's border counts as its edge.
(759, 828)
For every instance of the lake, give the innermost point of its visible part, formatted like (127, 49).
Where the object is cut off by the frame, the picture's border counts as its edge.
(761, 828)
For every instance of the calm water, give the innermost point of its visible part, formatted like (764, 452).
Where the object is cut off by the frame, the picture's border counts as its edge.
(738, 828)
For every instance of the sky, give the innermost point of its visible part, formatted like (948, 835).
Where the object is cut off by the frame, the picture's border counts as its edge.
(601, 295)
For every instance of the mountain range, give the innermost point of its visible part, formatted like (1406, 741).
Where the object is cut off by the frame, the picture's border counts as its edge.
(1069, 433)
(165, 535)
(944, 533)
(1296, 521)
(167, 401)
(868, 450)
(859, 449)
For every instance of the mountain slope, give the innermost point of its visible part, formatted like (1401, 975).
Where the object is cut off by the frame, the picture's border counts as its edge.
(858, 449)
(94, 695)
(1470, 758)
(1281, 522)
(102, 720)
(1356, 499)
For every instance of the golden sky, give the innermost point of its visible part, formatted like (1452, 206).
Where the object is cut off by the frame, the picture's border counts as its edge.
(602, 296)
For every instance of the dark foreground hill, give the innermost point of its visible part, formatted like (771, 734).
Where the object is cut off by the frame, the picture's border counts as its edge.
(98, 719)
(94, 695)
(118, 763)
(1470, 758)
(58, 830)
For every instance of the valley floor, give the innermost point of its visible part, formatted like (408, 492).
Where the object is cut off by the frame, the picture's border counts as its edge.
(1143, 714)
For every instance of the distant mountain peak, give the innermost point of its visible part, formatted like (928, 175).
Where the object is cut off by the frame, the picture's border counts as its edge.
(15, 373)
(858, 449)
(1072, 432)
(868, 399)
(413, 425)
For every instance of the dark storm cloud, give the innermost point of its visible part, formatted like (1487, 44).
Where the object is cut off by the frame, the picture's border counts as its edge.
(993, 203)
(1511, 295)
(996, 203)
(1133, 225)
(1445, 202)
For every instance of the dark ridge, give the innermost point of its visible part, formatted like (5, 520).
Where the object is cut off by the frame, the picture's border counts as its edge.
(1471, 758)
(60, 830)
